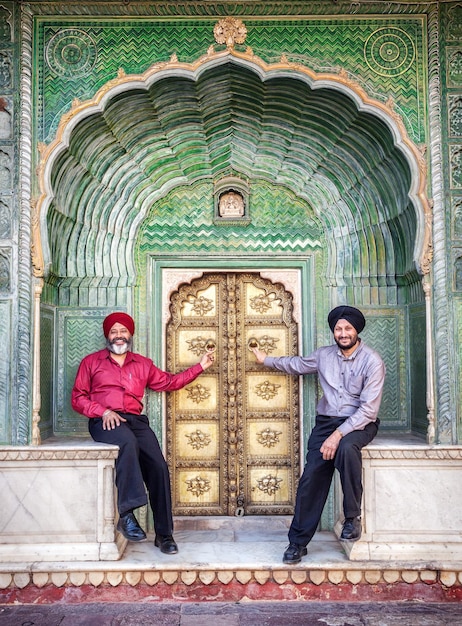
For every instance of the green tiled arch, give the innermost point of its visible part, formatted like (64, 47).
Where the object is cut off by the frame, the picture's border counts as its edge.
(316, 142)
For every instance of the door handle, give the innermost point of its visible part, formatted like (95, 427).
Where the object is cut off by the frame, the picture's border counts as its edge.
(252, 343)
(210, 345)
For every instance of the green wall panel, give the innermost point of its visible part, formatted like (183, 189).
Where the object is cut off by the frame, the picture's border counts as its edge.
(5, 370)
(183, 223)
(75, 57)
(47, 371)
(79, 332)
(417, 364)
(385, 333)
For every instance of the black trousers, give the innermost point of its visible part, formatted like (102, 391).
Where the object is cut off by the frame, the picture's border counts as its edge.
(140, 462)
(316, 479)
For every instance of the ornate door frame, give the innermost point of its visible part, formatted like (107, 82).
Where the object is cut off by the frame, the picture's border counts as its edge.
(290, 282)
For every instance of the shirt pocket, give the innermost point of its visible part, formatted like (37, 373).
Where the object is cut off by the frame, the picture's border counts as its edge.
(132, 384)
(355, 385)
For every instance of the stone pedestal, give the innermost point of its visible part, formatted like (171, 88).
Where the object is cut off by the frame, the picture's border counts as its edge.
(412, 504)
(58, 503)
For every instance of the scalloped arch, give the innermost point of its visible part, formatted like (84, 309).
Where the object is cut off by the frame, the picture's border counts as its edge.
(346, 155)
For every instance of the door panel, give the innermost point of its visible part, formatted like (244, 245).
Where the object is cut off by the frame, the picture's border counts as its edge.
(195, 414)
(232, 434)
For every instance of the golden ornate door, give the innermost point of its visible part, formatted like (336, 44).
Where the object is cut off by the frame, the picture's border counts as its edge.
(232, 434)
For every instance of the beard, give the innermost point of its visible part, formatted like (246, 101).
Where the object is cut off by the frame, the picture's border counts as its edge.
(353, 341)
(122, 349)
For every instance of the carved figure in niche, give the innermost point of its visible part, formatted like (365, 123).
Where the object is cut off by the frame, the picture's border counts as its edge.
(4, 221)
(231, 204)
(5, 119)
(4, 274)
(455, 116)
(455, 68)
(458, 274)
(5, 69)
(457, 212)
(5, 30)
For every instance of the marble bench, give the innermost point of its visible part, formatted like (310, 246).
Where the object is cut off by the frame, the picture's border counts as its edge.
(58, 502)
(412, 502)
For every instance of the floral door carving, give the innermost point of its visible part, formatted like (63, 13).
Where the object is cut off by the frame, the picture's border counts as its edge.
(232, 434)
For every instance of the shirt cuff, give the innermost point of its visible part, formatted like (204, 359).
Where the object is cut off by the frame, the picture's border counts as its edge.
(345, 428)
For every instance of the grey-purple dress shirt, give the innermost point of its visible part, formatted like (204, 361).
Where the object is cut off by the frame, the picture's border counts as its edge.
(352, 386)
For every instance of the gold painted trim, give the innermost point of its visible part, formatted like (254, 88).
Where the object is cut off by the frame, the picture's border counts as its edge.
(230, 31)
(36, 250)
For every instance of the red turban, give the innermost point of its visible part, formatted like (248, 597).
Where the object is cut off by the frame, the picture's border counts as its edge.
(121, 318)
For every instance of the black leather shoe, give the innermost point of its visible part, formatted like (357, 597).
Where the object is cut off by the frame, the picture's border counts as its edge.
(166, 543)
(130, 529)
(351, 530)
(294, 554)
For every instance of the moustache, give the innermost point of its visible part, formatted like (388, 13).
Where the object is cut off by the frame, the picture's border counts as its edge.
(124, 339)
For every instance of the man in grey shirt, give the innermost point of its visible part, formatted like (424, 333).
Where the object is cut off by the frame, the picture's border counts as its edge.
(351, 376)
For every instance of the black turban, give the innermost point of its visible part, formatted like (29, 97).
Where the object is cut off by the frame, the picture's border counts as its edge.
(348, 313)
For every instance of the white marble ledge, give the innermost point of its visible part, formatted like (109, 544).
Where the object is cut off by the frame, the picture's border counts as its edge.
(409, 447)
(60, 449)
(220, 554)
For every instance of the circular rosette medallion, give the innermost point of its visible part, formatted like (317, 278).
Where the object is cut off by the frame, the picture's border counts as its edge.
(71, 53)
(389, 51)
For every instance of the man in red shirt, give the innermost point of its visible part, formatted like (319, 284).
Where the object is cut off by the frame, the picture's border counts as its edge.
(108, 389)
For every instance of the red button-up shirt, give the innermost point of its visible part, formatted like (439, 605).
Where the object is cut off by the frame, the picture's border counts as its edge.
(102, 384)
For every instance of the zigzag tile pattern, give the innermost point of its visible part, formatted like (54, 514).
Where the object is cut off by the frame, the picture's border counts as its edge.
(321, 44)
(291, 228)
(71, 349)
(344, 44)
(131, 47)
(384, 334)
(339, 163)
